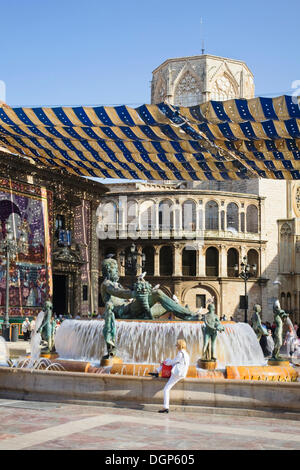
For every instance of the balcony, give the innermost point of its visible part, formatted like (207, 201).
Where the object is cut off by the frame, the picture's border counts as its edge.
(115, 231)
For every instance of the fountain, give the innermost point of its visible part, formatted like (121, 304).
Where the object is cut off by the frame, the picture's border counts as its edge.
(4, 355)
(150, 342)
(132, 330)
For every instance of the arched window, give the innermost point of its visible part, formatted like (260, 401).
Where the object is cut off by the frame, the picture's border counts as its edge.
(166, 215)
(252, 219)
(188, 90)
(211, 216)
(232, 261)
(166, 261)
(147, 212)
(189, 262)
(288, 302)
(212, 261)
(109, 215)
(222, 89)
(148, 251)
(232, 216)
(253, 260)
(282, 300)
(132, 213)
(189, 215)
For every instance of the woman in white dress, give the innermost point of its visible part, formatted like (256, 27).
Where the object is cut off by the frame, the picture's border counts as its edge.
(180, 366)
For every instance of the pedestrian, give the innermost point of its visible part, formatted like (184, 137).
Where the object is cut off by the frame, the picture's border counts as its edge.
(32, 326)
(289, 342)
(57, 325)
(180, 366)
(26, 329)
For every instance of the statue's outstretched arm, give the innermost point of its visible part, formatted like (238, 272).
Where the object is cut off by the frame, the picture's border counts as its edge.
(170, 305)
(119, 291)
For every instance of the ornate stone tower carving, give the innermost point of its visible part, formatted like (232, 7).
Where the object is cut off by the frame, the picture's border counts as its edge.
(189, 81)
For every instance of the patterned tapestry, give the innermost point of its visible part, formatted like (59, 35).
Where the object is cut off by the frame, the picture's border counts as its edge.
(26, 209)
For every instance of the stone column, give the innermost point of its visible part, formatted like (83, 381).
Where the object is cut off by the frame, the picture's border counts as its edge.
(156, 260)
(77, 293)
(120, 267)
(177, 260)
(156, 224)
(223, 261)
(200, 262)
(139, 249)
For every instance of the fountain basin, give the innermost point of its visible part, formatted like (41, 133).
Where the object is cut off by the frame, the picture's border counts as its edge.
(142, 392)
(274, 373)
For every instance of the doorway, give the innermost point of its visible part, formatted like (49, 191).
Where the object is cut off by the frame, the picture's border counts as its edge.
(60, 305)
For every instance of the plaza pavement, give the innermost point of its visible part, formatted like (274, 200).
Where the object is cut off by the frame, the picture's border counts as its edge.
(35, 425)
(27, 425)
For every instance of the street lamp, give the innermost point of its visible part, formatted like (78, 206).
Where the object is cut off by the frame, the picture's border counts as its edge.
(133, 260)
(246, 272)
(10, 247)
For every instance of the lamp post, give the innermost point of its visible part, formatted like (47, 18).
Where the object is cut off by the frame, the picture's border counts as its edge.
(10, 247)
(246, 272)
(133, 260)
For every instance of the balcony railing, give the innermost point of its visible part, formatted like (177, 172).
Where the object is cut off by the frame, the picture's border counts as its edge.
(161, 231)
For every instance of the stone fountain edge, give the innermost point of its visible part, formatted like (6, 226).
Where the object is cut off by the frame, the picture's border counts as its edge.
(60, 386)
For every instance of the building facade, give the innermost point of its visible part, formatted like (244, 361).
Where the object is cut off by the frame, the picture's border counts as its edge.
(193, 237)
(189, 81)
(289, 253)
(56, 213)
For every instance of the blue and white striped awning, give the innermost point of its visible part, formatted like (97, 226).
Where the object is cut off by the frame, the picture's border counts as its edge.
(228, 140)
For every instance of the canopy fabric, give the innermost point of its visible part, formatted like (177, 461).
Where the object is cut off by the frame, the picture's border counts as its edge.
(228, 140)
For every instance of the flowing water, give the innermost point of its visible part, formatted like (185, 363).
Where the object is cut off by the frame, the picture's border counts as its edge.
(152, 342)
(4, 354)
(35, 342)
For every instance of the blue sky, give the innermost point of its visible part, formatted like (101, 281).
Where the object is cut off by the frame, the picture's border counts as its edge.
(72, 52)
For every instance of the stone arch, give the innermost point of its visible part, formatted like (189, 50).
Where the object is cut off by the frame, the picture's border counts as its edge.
(188, 261)
(201, 289)
(252, 218)
(224, 87)
(160, 90)
(107, 212)
(232, 216)
(189, 214)
(232, 261)
(147, 210)
(211, 215)
(283, 300)
(166, 213)
(253, 259)
(132, 211)
(166, 260)
(149, 253)
(212, 256)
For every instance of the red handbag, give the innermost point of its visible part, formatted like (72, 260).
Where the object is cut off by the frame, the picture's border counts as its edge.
(166, 371)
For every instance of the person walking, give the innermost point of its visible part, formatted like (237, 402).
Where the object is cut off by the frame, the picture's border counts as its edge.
(180, 366)
(26, 329)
